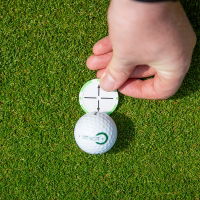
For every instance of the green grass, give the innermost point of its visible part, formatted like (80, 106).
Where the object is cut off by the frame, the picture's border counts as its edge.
(44, 46)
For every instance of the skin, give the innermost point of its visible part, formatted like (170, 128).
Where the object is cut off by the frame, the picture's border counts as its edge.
(145, 40)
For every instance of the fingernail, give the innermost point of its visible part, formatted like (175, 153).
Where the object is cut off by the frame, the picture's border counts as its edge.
(97, 48)
(103, 75)
(107, 82)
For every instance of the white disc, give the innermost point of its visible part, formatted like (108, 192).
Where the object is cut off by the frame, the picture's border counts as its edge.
(92, 98)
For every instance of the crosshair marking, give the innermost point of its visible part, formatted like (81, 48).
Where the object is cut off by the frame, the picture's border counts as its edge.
(93, 98)
(90, 97)
(98, 98)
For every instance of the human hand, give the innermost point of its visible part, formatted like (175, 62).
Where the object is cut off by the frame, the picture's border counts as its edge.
(145, 40)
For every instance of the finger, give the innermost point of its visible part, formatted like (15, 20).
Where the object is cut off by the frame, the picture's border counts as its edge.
(98, 62)
(139, 72)
(116, 74)
(103, 46)
(158, 87)
(143, 71)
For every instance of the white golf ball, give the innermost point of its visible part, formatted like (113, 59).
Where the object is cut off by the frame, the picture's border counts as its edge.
(95, 133)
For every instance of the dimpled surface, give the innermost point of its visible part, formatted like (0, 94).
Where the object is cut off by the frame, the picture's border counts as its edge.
(95, 133)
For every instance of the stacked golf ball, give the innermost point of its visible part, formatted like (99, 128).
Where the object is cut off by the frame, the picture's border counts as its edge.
(96, 131)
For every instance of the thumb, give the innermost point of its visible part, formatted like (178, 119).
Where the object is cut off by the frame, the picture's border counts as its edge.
(116, 74)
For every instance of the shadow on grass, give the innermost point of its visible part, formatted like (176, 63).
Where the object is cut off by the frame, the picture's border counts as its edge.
(191, 82)
(126, 132)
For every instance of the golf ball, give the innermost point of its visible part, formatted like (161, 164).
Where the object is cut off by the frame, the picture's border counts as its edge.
(95, 133)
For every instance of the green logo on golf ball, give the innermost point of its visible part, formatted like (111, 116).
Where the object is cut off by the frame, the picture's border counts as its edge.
(100, 138)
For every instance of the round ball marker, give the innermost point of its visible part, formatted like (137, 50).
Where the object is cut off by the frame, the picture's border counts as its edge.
(92, 98)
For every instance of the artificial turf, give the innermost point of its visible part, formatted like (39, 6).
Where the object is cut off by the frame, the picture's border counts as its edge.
(43, 49)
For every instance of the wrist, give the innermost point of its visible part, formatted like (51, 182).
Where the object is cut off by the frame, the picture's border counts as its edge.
(139, 7)
(154, 1)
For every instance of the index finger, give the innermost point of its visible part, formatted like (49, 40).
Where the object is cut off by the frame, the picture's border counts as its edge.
(159, 87)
